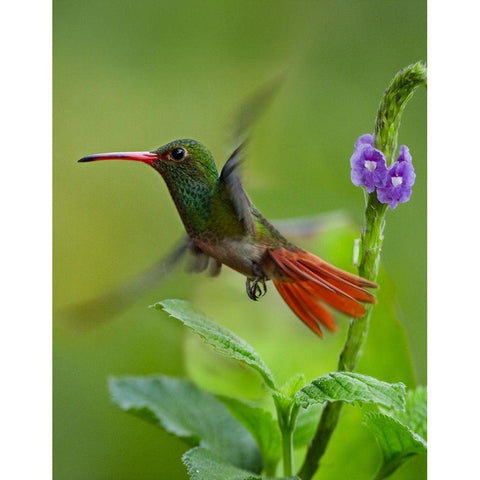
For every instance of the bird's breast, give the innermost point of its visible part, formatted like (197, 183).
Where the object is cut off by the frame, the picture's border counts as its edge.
(243, 256)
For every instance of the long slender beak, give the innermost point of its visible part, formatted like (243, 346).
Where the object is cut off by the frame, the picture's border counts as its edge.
(145, 157)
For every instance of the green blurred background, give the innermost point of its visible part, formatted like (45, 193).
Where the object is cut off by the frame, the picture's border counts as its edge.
(135, 75)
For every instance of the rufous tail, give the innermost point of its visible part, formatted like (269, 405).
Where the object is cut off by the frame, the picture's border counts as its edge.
(307, 283)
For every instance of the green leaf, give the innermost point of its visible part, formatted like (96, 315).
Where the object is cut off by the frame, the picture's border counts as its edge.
(291, 386)
(261, 424)
(204, 465)
(264, 427)
(415, 414)
(194, 415)
(306, 425)
(285, 401)
(397, 442)
(401, 434)
(352, 387)
(217, 336)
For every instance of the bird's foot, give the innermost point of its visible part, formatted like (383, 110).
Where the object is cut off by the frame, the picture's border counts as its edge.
(256, 287)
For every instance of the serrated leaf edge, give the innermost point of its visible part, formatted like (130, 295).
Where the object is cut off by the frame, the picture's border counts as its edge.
(415, 436)
(192, 471)
(305, 399)
(257, 364)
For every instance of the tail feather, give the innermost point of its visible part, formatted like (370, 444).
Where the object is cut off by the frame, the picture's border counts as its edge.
(317, 263)
(324, 289)
(316, 309)
(307, 283)
(291, 298)
(343, 280)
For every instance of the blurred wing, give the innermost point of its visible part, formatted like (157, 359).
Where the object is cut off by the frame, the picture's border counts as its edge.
(106, 306)
(252, 107)
(231, 179)
(306, 227)
(247, 114)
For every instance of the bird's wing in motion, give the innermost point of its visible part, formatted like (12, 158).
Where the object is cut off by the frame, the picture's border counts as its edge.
(231, 179)
(252, 107)
(106, 306)
(310, 226)
(245, 117)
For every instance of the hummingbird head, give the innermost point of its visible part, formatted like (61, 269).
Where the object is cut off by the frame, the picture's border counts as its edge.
(175, 160)
(189, 172)
(185, 158)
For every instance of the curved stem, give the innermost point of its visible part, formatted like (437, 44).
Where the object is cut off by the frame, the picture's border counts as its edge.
(372, 238)
(387, 124)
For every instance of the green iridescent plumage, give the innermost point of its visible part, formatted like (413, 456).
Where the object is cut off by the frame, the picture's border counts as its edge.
(210, 208)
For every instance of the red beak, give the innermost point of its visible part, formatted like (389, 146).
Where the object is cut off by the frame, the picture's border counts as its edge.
(145, 157)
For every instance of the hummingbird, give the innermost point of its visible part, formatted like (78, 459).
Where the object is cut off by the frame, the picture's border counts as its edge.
(224, 227)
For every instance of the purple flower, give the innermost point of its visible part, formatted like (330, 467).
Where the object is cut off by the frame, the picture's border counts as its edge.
(366, 139)
(404, 155)
(400, 179)
(369, 168)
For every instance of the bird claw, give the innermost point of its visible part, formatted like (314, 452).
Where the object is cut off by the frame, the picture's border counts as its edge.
(256, 287)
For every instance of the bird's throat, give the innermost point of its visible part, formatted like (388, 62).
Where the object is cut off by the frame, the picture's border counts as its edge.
(193, 199)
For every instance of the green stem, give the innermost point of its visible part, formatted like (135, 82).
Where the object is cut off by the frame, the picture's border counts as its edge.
(287, 418)
(287, 445)
(386, 133)
(392, 105)
(270, 469)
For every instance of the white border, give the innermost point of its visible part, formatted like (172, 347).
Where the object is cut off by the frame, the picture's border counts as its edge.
(453, 238)
(25, 399)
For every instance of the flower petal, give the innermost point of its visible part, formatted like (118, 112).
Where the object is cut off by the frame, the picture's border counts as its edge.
(404, 154)
(365, 139)
(400, 179)
(369, 168)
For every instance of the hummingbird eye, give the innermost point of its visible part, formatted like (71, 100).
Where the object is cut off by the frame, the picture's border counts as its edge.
(177, 153)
